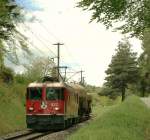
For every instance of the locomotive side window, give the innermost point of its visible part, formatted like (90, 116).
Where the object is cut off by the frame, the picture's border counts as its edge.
(54, 94)
(34, 93)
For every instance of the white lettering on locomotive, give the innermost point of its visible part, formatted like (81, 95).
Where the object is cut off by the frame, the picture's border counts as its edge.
(54, 104)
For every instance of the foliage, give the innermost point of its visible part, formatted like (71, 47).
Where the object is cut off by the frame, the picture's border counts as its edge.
(7, 75)
(108, 91)
(133, 14)
(1, 55)
(39, 68)
(12, 110)
(144, 64)
(92, 89)
(129, 17)
(8, 12)
(122, 69)
(21, 78)
(126, 121)
(10, 38)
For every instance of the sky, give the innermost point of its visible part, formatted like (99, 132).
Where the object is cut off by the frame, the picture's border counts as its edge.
(87, 46)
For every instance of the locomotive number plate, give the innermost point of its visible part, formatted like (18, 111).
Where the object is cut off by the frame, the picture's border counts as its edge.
(54, 104)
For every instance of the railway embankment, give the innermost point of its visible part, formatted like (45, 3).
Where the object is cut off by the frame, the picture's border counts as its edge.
(125, 121)
(12, 110)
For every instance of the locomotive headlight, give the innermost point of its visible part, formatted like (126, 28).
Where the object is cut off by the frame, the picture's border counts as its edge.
(56, 108)
(31, 108)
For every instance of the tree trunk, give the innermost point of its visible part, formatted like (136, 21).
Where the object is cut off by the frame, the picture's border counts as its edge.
(143, 91)
(1, 59)
(123, 94)
(143, 87)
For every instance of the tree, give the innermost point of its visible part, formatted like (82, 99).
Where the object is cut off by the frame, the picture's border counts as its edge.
(122, 69)
(144, 64)
(108, 91)
(39, 68)
(7, 75)
(10, 38)
(134, 14)
(7, 16)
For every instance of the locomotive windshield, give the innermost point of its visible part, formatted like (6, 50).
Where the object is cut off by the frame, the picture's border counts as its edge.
(34, 93)
(54, 94)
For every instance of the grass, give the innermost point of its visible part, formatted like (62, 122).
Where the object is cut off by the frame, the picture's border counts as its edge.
(12, 110)
(103, 100)
(129, 120)
(101, 104)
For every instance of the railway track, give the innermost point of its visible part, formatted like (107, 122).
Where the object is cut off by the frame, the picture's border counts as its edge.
(31, 135)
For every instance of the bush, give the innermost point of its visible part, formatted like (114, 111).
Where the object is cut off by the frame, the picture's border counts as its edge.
(12, 110)
(111, 93)
(7, 75)
(20, 78)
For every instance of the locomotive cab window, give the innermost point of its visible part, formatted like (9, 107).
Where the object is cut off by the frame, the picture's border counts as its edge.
(34, 93)
(54, 94)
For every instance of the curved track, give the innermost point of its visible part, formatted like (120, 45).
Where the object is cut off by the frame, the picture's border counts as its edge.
(31, 135)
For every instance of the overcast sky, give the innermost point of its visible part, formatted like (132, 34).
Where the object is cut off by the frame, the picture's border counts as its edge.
(88, 46)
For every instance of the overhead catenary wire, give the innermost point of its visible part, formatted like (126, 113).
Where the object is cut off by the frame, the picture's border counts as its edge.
(39, 39)
(35, 47)
(36, 37)
(57, 40)
(27, 43)
(54, 36)
(49, 33)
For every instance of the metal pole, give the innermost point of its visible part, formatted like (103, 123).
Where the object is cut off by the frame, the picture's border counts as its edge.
(81, 76)
(58, 59)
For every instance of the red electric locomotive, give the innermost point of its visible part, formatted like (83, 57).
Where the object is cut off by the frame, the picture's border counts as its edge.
(55, 105)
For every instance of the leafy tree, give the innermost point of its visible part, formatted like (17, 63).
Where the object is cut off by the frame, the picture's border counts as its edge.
(122, 69)
(133, 13)
(108, 91)
(7, 16)
(91, 88)
(39, 68)
(7, 75)
(10, 38)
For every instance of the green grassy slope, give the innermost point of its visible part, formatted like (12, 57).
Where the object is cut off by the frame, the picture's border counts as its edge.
(101, 104)
(126, 121)
(12, 111)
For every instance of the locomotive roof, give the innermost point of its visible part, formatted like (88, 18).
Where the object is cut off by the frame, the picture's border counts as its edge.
(78, 89)
(47, 84)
